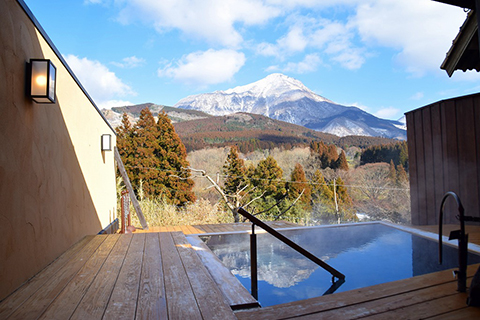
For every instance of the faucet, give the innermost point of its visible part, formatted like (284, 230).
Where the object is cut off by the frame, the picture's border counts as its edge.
(462, 240)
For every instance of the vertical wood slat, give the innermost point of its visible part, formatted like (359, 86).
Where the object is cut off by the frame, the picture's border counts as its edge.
(412, 164)
(468, 165)
(429, 166)
(421, 182)
(444, 155)
(438, 164)
(451, 158)
(476, 111)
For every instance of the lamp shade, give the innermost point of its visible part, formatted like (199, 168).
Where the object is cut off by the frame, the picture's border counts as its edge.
(106, 142)
(42, 80)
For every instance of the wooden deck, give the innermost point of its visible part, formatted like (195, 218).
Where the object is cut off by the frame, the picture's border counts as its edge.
(159, 276)
(217, 228)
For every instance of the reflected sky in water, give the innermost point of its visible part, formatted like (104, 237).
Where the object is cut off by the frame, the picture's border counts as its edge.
(367, 254)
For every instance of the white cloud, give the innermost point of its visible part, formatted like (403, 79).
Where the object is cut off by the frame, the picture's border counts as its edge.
(387, 113)
(101, 83)
(331, 39)
(204, 68)
(130, 62)
(420, 30)
(309, 64)
(212, 20)
(294, 40)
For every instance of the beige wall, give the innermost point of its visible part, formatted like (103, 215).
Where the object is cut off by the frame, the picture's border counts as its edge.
(56, 186)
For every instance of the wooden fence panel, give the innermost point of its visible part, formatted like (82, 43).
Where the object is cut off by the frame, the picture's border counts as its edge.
(444, 155)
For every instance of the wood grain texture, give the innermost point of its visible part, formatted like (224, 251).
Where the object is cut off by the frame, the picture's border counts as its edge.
(181, 301)
(152, 303)
(123, 300)
(67, 301)
(36, 304)
(235, 293)
(210, 300)
(18, 297)
(96, 298)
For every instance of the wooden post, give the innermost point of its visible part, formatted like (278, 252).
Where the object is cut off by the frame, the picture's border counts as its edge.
(126, 180)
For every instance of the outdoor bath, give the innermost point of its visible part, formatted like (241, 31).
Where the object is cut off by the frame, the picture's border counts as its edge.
(366, 253)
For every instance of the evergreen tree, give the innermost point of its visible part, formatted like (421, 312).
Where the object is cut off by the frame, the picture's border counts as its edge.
(234, 170)
(342, 163)
(402, 177)
(392, 173)
(154, 154)
(268, 178)
(298, 184)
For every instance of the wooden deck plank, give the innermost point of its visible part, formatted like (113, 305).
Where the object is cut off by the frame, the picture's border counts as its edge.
(378, 307)
(357, 296)
(210, 300)
(67, 301)
(152, 303)
(17, 298)
(181, 302)
(463, 313)
(235, 293)
(123, 302)
(427, 309)
(34, 306)
(98, 294)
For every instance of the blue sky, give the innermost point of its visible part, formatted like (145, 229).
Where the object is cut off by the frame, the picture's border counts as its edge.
(383, 56)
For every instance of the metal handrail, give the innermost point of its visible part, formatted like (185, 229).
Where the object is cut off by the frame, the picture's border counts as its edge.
(460, 235)
(334, 272)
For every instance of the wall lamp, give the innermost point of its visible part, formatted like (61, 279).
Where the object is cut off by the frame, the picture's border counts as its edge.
(106, 142)
(42, 80)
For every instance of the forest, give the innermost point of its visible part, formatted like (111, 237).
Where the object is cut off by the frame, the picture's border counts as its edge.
(313, 182)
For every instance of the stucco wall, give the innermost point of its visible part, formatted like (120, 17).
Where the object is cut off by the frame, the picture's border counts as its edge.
(56, 185)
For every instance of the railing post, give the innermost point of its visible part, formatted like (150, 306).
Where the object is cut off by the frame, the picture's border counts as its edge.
(253, 263)
(125, 203)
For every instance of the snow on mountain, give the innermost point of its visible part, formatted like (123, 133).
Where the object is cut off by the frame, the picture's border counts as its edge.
(283, 98)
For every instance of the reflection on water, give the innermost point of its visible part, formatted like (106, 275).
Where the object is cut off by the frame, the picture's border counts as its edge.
(367, 254)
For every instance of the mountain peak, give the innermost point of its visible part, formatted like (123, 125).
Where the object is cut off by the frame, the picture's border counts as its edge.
(275, 84)
(284, 98)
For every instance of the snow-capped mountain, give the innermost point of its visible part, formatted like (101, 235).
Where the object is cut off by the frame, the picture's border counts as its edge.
(281, 97)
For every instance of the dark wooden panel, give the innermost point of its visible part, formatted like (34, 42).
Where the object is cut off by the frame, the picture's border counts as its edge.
(438, 163)
(476, 111)
(412, 164)
(421, 182)
(429, 166)
(450, 156)
(468, 170)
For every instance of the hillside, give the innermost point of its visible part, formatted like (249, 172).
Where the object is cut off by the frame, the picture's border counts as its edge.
(251, 131)
(284, 98)
(114, 116)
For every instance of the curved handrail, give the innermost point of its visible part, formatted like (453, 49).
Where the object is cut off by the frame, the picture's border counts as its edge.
(462, 241)
(461, 217)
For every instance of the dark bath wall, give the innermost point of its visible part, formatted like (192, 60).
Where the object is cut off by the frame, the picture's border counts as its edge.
(56, 185)
(444, 155)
